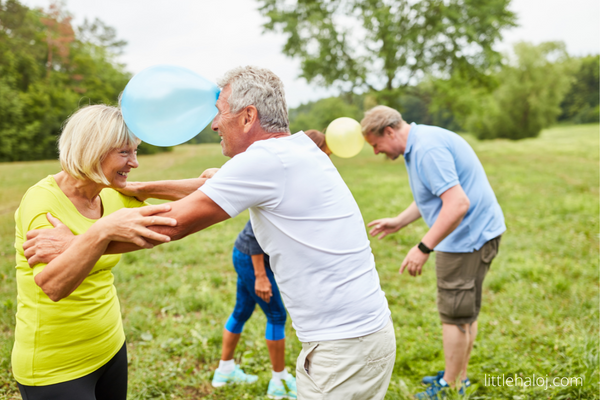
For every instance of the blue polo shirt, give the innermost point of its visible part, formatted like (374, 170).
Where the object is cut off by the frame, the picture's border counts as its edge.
(437, 160)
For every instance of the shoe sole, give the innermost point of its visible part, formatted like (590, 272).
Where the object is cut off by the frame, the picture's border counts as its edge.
(221, 384)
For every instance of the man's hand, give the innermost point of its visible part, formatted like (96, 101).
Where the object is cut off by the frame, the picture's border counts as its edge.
(263, 288)
(209, 173)
(414, 261)
(44, 245)
(384, 226)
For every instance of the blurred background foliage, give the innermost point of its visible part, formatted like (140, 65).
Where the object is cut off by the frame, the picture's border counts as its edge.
(434, 61)
(48, 69)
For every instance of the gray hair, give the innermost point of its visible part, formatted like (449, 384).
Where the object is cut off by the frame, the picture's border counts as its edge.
(380, 117)
(261, 88)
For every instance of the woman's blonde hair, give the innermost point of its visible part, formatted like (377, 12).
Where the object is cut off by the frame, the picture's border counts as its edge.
(88, 136)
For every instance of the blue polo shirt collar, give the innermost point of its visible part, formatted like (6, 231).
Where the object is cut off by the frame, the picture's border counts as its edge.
(410, 140)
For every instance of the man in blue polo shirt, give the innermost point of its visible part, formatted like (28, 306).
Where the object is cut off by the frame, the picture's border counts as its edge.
(452, 194)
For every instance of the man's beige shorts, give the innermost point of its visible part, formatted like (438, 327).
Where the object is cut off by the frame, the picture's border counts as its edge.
(358, 368)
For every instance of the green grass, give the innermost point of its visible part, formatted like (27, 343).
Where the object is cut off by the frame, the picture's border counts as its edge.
(541, 301)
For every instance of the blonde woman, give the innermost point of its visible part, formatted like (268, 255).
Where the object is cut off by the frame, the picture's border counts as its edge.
(69, 339)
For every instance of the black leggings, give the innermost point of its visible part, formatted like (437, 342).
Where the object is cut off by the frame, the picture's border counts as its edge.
(109, 382)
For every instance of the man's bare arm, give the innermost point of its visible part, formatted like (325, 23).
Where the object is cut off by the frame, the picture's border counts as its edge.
(455, 205)
(386, 226)
(192, 213)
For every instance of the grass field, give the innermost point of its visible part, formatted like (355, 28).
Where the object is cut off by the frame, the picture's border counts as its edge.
(541, 300)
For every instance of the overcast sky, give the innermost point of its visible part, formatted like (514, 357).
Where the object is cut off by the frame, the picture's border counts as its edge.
(211, 37)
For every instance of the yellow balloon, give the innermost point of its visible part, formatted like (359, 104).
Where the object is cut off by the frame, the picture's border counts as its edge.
(344, 137)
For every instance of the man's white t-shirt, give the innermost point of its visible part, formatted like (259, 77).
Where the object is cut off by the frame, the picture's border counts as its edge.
(305, 218)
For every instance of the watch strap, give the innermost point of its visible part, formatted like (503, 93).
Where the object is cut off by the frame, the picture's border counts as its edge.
(424, 249)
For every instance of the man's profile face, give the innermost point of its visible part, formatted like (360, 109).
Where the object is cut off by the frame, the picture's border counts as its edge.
(228, 126)
(386, 144)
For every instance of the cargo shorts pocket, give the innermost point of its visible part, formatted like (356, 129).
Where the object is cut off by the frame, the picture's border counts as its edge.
(456, 299)
(305, 373)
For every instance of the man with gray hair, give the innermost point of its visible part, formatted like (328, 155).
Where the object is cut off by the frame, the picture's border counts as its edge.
(305, 218)
(452, 194)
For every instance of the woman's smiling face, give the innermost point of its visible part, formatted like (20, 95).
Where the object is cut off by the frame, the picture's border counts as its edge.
(118, 163)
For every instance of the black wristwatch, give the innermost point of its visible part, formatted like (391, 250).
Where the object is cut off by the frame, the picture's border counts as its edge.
(424, 249)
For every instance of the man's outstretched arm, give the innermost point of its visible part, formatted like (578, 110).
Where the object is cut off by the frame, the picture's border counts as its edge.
(386, 226)
(192, 213)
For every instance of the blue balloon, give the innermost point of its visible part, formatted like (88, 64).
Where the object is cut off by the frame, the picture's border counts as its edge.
(166, 105)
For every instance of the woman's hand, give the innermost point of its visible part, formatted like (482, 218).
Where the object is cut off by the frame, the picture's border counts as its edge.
(126, 225)
(263, 288)
(130, 225)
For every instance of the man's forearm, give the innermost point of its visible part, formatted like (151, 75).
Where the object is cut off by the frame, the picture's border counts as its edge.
(192, 213)
(122, 247)
(165, 190)
(408, 216)
(455, 205)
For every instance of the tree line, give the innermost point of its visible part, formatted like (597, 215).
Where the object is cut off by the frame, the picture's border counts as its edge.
(432, 60)
(529, 93)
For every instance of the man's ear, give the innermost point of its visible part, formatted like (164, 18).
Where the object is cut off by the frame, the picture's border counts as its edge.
(388, 131)
(249, 117)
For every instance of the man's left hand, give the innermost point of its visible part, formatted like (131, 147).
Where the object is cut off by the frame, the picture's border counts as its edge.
(414, 261)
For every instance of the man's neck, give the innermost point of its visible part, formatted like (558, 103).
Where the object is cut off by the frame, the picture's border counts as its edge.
(272, 135)
(403, 135)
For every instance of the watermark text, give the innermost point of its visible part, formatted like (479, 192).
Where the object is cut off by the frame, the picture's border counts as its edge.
(532, 381)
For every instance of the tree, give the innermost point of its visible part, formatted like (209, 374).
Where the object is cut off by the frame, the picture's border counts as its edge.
(48, 69)
(317, 115)
(580, 105)
(531, 87)
(375, 45)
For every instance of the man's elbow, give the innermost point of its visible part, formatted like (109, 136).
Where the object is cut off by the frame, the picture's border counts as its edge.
(463, 206)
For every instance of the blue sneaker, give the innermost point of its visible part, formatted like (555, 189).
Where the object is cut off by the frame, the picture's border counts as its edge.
(284, 390)
(436, 391)
(428, 380)
(235, 376)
